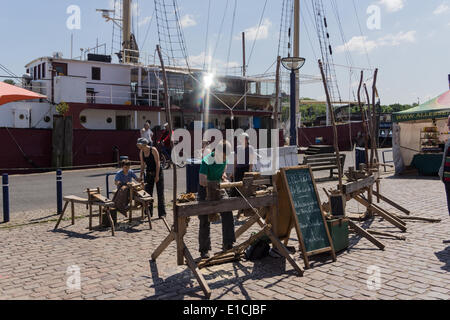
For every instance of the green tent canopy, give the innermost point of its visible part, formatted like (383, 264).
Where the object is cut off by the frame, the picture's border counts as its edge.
(434, 109)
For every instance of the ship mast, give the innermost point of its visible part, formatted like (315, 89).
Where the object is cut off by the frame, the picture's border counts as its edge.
(126, 28)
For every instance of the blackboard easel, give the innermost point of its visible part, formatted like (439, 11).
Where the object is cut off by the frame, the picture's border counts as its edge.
(310, 217)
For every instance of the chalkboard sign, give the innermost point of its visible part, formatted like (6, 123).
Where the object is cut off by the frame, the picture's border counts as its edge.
(305, 205)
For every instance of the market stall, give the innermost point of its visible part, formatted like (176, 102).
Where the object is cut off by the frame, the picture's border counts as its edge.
(419, 135)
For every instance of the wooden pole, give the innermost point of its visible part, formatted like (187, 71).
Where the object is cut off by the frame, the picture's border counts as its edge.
(374, 118)
(277, 95)
(370, 121)
(180, 246)
(333, 120)
(363, 116)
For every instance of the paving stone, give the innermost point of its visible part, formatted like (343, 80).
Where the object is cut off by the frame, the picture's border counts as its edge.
(34, 259)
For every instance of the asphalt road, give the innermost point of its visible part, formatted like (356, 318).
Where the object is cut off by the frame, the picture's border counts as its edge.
(38, 191)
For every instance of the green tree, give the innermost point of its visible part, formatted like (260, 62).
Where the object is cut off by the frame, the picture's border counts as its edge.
(62, 108)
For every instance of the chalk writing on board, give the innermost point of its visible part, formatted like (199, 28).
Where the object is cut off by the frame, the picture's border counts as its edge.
(307, 209)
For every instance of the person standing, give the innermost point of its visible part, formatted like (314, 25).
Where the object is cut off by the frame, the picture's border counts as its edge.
(147, 132)
(444, 171)
(212, 170)
(244, 158)
(150, 164)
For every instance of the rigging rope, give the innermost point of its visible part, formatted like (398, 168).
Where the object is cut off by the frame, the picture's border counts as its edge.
(207, 35)
(231, 37)
(257, 32)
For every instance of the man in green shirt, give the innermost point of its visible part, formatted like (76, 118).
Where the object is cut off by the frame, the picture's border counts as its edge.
(212, 170)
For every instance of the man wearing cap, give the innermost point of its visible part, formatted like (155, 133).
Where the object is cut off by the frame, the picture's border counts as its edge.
(213, 169)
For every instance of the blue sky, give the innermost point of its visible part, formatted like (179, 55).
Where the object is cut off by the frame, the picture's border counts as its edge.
(411, 48)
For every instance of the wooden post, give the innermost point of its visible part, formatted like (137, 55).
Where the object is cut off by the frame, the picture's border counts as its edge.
(333, 120)
(277, 95)
(68, 142)
(363, 116)
(374, 120)
(180, 247)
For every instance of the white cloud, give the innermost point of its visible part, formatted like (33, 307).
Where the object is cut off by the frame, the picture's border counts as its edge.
(144, 21)
(361, 43)
(252, 33)
(393, 5)
(443, 8)
(188, 21)
(198, 60)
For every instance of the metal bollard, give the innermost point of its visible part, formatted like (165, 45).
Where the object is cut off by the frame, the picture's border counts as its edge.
(59, 197)
(5, 181)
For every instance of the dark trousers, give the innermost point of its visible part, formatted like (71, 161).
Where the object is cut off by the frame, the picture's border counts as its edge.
(447, 191)
(239, 176)
(204, 235)
(149, 186)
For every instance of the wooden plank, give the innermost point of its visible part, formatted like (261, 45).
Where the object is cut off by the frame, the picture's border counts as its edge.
(365, 234)
(180, 226)
(163, 246)
(197, 273)
(315, 252)
(280, 247)
(392, 203)
(393, 216)
(225, 205)
(108, 213)
(248, 224)
(68, 142)
(352, 187)
(381, 213)
(61, 215)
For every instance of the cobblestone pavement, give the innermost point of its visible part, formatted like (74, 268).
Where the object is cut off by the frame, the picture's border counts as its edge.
(34, 260)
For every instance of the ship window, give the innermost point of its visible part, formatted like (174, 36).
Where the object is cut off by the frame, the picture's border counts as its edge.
(43, 70)
(47, 119)
(35, 73)
(109, 120)
(39, 71)
(96, 73)
(83, 119)
(60, 68)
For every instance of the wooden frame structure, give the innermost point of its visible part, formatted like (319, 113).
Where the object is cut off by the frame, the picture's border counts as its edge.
(184, 211)
(294, 223)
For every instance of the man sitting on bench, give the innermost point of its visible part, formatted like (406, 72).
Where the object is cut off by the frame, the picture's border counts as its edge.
(123, 177)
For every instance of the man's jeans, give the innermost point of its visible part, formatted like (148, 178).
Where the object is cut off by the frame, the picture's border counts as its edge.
(204, 235)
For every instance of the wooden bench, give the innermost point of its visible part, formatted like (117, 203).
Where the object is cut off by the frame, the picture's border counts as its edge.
(95, 199)
(72, 200)
(327, 161)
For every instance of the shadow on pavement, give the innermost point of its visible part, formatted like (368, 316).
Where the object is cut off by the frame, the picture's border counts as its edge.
(444, 256)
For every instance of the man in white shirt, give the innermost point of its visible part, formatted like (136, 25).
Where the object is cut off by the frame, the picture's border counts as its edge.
(147, 133)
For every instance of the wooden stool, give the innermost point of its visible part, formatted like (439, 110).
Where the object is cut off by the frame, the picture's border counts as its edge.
(72, 200)
(146, 207)
(106, 205)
